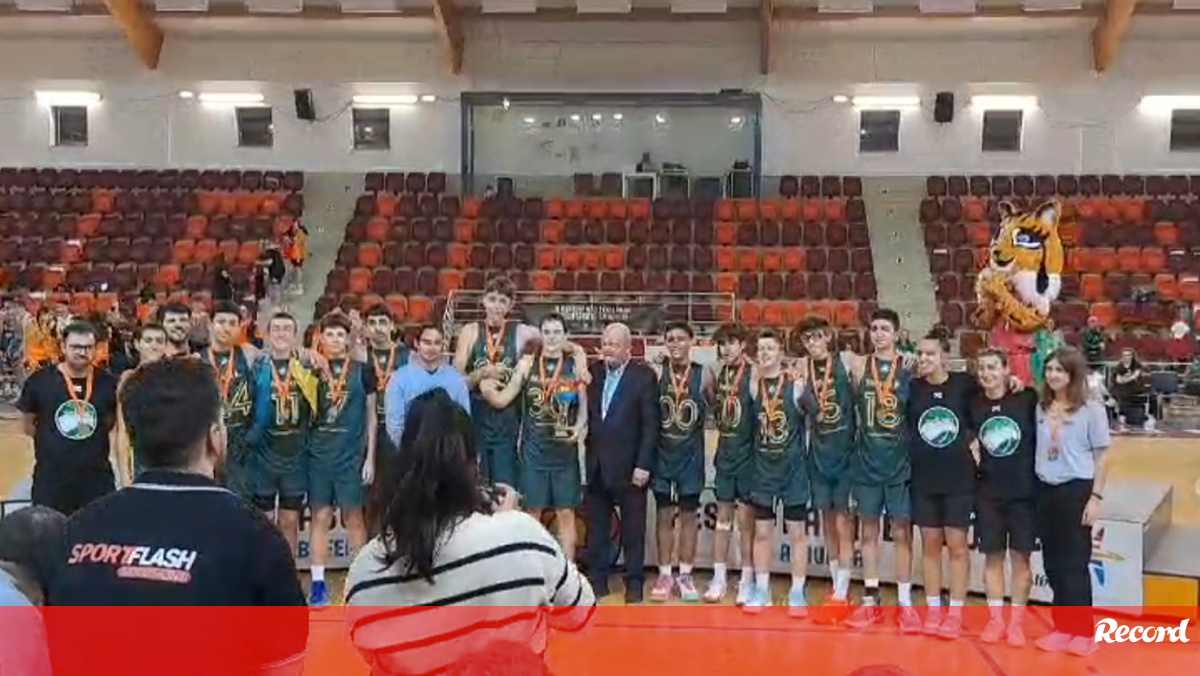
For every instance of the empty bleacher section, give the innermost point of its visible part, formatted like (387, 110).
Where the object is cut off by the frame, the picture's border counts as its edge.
(1133, 249)
(92, 237)
(412, 244)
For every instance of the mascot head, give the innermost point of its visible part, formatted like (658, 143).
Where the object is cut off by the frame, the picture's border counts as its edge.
(1028, 252)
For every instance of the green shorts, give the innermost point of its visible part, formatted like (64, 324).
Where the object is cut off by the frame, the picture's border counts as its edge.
(830, 493)
(235, 470)
(551, 488)
(734, 484)
(335, 464)
(876, 500)
(272, 476)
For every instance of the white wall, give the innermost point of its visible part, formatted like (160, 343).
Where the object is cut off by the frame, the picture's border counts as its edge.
(1085, 124)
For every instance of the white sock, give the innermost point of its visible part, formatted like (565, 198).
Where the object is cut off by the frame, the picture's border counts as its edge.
(665, 571)
(933, 601)
(747, 573)
(956, 607)
(904, 591)
(871, 592)
(685, 569)
(833, 569)
(841, 584)
(719, 573)
(1018, 612)
(318, 573)
(996, 608)
(763, 580)
(798, 582)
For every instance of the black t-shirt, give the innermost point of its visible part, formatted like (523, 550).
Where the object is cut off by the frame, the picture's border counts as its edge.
(72, 433)
(939, 436)
(1007, 433)
(177, 539)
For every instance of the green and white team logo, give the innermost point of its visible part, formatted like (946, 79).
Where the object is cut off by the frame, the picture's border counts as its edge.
(938, 427)
(76, 420)
(1000, 436)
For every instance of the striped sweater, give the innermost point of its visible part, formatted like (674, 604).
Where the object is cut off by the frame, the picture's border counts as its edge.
(497, 577)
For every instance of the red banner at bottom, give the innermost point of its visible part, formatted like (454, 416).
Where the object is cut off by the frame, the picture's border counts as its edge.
(631, 641)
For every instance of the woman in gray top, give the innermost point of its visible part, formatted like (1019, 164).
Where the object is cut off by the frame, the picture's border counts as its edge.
(1072, 468)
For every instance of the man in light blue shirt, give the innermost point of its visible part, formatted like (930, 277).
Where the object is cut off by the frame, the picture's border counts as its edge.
(426, 370)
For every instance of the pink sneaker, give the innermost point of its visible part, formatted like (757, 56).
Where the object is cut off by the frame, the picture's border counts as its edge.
(1082, 646)
(952, 627)
(1055, 642)
(663, 587)
(933, 621)
(865, 616)
(994, 631)
(1016, 634)
(908, 620)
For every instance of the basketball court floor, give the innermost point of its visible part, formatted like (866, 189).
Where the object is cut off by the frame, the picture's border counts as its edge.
(693, 640)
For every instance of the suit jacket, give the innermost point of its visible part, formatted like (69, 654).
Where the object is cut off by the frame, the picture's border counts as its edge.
(627, 438)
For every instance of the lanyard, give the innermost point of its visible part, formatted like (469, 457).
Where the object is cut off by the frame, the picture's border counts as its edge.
(283, 388)
(224, 375)
(80, 404)
(772, 401)
(552, 389)
(730, 390)
(337, 387)
(495, 342)
(679, 384)
(884, 388)
(382, 376)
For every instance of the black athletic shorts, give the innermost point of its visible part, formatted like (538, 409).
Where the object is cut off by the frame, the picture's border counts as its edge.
(1002, 525)
(791, 513)
(949, 510)
(664, 500)
(69, 492)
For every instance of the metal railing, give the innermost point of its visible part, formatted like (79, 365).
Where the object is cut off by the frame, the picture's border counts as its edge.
(587, 312)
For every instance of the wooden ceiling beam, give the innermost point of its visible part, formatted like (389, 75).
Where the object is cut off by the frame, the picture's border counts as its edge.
(450, 25)
(1110, 31)
(766, 31)
(139, 28)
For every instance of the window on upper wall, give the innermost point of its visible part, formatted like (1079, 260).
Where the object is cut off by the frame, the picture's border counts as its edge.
(878, 131)
(70, 126)
(1002, 131)
(256, 127)
(372, 128)
(1185, 130)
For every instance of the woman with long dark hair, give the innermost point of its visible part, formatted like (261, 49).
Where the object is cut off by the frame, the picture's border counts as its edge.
(1072, 469)
(468, 563)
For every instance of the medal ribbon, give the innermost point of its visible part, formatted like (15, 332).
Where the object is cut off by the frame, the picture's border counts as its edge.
(730, 388)
(224, 375)
(495, 342)
(552, 390)
(80, 404)
(680, 384)
(885, 387)
(382, 376)
(772, 402)
(337, 387)
(283, 388)
(822, 386)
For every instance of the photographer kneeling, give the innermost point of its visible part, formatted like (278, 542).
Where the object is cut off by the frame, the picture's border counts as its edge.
(471, 566)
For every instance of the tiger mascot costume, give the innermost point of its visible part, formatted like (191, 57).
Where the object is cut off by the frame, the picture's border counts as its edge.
(1023, 276)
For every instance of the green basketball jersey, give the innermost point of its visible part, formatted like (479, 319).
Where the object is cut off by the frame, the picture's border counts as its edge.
(235, 377)
(882, 399)
(734, 414)
(833, 421)
(683, 412)
(386, 363)
(291, 416)
(495, 426)
(547, 406)
(778, 436)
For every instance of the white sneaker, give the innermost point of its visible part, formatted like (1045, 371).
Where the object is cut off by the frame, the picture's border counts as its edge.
(1056, 642)
(715, 592)
(745, 589)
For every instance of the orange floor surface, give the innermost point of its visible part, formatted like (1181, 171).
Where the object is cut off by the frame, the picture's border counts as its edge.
(698, 641)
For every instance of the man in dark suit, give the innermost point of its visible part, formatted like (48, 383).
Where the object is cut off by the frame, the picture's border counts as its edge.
(621, 445)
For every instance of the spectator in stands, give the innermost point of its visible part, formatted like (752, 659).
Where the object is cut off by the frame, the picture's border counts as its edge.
(1093, 343)
(30, 541)
(448, 541)
(1129, 389)
(1191, 378)
(502, 658)
(222, 289)
(1098, 393)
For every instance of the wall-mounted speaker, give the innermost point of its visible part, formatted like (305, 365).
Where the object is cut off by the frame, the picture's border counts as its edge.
(305, 110)
(943, 108)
